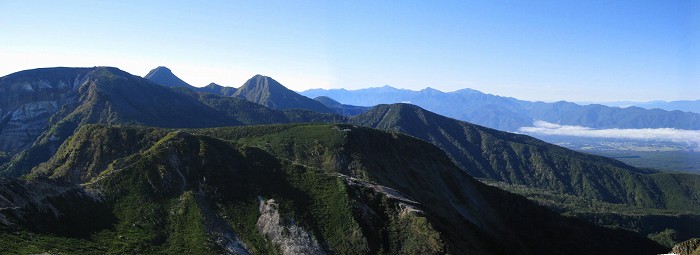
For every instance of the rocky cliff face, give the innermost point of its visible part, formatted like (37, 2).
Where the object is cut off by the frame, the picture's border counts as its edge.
(29, 100)
(42, 107)
(690, 247)
(288, 237)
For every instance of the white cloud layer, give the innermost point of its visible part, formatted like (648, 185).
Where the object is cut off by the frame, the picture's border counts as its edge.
(643, 134)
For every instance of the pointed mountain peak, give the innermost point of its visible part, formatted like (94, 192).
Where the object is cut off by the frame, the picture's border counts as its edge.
(164, 76)
(268, 92)
(259, 79)
(161, 70)
(263, 84)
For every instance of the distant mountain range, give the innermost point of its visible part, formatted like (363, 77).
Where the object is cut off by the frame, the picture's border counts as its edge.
(313, 174)
(681, 105)
(510, 114)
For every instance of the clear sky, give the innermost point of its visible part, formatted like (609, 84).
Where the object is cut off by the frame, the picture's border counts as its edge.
(536, 50)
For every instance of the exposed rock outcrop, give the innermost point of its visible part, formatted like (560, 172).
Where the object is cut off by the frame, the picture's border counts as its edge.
(285, 234)
(30, 98)
(45, 106)
(690, 247)
(220, 231)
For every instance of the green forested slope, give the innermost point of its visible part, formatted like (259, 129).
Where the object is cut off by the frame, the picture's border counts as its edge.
(522, 160)
(333, 188)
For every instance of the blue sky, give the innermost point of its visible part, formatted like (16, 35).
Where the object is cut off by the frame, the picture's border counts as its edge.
(539, 50)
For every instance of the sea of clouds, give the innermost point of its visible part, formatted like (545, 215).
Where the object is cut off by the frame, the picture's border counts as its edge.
(691, 137)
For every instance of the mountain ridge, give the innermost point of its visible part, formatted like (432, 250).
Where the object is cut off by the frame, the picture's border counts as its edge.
(397, 182)
(518, 159)
(100, 95)
(597, 189)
